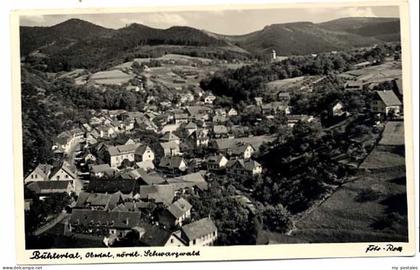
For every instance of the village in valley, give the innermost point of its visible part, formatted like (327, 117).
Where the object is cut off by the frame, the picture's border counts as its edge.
(185, 150)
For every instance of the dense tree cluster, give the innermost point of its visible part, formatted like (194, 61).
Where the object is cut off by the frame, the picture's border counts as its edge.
(236, 224)
(247, 82)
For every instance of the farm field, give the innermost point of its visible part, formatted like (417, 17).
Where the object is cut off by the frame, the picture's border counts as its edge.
(359, 211)
(111, 77)
(376, 74)
(393, 134)
(297, 83)
(390, 150)
(368, 209)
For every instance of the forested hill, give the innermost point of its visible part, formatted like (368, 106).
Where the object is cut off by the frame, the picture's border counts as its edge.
(79, 44)
(299, 38)
(386, 29)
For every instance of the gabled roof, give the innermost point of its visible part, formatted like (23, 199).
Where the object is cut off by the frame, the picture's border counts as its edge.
(239, 148)
(126, 186)
(197, 110)
(113, 219)
(180, 115)
(173, 162)
(179, 208)
(122, 149)
(215, 159)
(43, 170)
(220, 129)
(248, 165)
(169, 145)
(389, 98)
(154, 236)
(145, 165)
(169, 137)
(189, 180)
(65, 166)
(142, 149)
(255, 141)
(159, 193)
(152, 179)
(101, 168)
(108, 201)
(199, 228)
(46, 187)
(191, 125)
(284, 94)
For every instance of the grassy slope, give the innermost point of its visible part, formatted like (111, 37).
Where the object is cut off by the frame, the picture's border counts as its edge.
(345, 217)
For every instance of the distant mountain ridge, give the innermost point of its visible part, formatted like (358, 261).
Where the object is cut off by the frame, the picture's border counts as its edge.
(75, 40)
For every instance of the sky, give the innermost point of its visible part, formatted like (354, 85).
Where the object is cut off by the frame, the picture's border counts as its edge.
(230, 22)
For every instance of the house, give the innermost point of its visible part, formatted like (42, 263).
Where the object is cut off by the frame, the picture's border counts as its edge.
(173, 165)
(170, 137)
(386, 101)
(45, 188)
(258, 101)
(200, 138)
(239, 149)
(63, 172)
(219, 119)
(209, 99)
(241, 167)
(202, 232)
(158, 194)
(220, 112)
(88, 157)
(223, 145)
(170, 149)
(169, 128)
(293, 119)
(115, 155)
(40, 173)
(151, 179)
(146, 165)
(153, 236)
(216, 163)
(127, 187)
(190, 128)
(98, 201)
(106, 131)
(198, 113)
(232, 112)
(283, 97)
(175, 214)
(188, 181)
(181, 118)
(102, 170)
(337, 109)
(66, 140)
(144, 153)
(275, 108)
(354, 86)
(220, 131)
(94, 121)
(103, 223)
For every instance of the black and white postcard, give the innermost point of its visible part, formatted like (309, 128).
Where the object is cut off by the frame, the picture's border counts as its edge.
(213, 133)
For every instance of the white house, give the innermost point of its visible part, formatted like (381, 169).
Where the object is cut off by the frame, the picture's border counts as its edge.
(386, 101)
(202, 232)
(209, 99)
(63, 172)
(40, 173)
